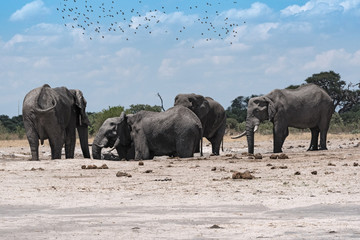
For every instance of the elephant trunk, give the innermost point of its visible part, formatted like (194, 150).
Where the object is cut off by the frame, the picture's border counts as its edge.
(251, 128)
(96, 151)
(84, 141)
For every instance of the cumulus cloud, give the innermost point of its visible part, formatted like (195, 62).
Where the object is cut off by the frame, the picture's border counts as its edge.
(257, 9)
(29, 10)
(333, 58)
(321, 7)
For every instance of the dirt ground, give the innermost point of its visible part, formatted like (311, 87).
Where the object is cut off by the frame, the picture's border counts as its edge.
(309, 195)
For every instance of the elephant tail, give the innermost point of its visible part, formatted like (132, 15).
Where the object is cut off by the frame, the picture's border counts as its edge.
(45, 101)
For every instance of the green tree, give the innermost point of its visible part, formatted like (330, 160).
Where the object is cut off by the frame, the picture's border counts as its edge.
(331, 82)
(138, 107)
(238, 108)
(97, 119)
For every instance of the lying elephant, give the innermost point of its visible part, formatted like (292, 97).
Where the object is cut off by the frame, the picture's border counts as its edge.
(112, 129)
(308, 106)
(211, 114)
(54, 113)
(175, 132)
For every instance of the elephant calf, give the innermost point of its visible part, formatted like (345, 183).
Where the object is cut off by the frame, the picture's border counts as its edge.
(175, 132)
(308, 106)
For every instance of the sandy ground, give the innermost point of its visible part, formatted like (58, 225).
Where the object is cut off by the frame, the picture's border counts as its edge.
(310, 195)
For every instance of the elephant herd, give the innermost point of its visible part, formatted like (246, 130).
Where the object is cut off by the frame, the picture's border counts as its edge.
(55, 113)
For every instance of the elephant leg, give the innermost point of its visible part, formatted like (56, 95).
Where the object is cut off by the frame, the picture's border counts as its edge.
(185, 150)
(122, 152)
(56, 143)
(33, 140)
(323, 134)
(279, 135)
(70, 140)
(314, 139)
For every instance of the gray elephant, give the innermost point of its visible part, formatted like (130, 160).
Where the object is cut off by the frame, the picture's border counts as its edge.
(175, 132)
(109, 132)
(211, 114)
(308, 106)
(54, 113)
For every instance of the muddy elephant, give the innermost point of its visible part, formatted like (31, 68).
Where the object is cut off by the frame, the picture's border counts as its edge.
(54, 114)
(211, 114)
(308, 106)
(109, 132)
(175, 132)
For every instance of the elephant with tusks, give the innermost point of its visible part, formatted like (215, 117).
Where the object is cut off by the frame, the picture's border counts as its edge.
(308, 106)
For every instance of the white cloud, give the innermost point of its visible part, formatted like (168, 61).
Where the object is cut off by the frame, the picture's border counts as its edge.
(334, 58)
(321, 7)
(257, 9)
(259, 32)
(31, 9)
(167, 68)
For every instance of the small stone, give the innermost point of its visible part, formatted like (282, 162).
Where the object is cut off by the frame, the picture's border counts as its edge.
(356, 164)
(213, 169)
(297, 173)
(148, 171)
(215, 226)
(123, 174)
(273, 156)
(258, 156)
(314, 172)
(141, 163)
(104, 166)
(244, 175)
(283, 156)
(83, 167)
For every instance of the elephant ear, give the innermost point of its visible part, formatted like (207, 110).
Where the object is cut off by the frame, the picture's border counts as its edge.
(271, 108)
(201, 106)
(124, 130)
(80, 103)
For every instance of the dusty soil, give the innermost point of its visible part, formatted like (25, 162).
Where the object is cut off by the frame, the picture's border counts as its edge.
(309, 195)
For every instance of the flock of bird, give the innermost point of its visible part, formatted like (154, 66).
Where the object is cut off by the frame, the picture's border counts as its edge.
(132, 19)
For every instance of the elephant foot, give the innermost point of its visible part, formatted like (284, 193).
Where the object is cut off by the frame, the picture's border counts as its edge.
(323, 148)
(33, 159)
(313, 148)
(278, 151)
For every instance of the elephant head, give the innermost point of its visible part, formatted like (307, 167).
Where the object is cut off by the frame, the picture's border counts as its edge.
(196, 103)
(259, 109)
(114, 133)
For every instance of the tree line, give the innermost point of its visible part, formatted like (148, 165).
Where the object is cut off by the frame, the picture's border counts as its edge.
(346, 98)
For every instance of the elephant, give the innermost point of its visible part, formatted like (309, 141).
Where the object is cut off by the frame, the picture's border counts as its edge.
(211, 114)
(308, 106)
(54, 113)
(175, 132)
(112, 129)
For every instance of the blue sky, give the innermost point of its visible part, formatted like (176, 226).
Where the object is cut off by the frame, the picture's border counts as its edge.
(125, 52)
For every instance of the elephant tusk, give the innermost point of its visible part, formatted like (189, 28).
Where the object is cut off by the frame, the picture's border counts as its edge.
(239, 136)
(256, 128)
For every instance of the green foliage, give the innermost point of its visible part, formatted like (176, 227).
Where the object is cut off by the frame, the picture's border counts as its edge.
(11, 128)
(331, 82)
(97, 119)
(238, 108)
(139, 107)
